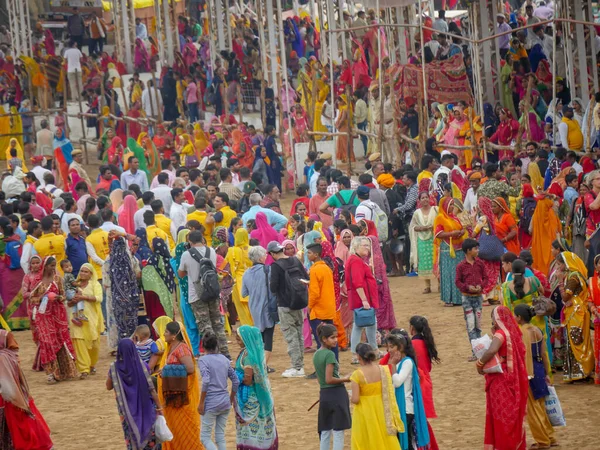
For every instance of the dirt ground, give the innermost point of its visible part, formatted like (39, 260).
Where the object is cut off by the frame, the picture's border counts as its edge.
(83, 414)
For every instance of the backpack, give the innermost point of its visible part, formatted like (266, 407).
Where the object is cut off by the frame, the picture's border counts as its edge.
(296, 290)
(381, 221)
(207, 285)
(350, 206)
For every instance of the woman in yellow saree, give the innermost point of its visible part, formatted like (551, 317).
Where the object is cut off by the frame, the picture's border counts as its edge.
(322, 93)
(579, 354)
(545, 226)
(4, 125)
(473, 135)
(151, 155)
(16, 126)
(13, 143)
(180, 395)
(537, 180)
(237, 256)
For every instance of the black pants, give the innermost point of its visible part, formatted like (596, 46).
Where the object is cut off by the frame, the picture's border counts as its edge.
(79, 40)
(267, 336)
(96, 46)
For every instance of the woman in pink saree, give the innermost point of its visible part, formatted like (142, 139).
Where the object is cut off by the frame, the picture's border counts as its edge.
(142, 60)
(190, 54)
(532, 130)
(126, 212)
(370, 42)
(452, 134)
(288, 98)
(49, 43)
(300, 124)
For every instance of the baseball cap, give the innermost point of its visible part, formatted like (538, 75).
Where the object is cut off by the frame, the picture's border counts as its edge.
(249, 187)
(567, 108)
(362, 191)
(274, 247)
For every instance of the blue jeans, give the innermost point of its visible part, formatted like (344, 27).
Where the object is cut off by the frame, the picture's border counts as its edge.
(472, 306)
(363, 127)
(357, 334)
(338, 439)
(193, 112)
(314, 324)
(218, 420)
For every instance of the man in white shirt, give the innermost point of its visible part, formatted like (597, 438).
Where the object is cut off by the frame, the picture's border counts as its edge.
(540, 37)
(45, 144)
(70, 212)
(151, 103)
(38, 170)
(440, 23)
(327, 114)
(134, 176)
(163, 192)
(73, 56)
(543, 12)
(471, 197)
(108, 225)
(50, 187)
(141, 32)
(319, 163)
(179, 210)
(138, 217)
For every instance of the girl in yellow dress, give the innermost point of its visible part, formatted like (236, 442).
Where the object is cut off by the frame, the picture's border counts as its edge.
(376, 420)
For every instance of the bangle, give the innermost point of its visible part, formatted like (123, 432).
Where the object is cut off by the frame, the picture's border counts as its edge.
(479, 363)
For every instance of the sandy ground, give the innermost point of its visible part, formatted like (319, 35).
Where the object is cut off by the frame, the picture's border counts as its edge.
(82, 414)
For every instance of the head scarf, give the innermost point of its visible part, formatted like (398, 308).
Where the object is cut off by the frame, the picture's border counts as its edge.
(130, 380)
(241, 238)
(14, 386)
(126, 214)
(124, 288)
(161, 260)
(485, 207)
(527, 191)
(144, 252)
(264, 232)
(386, 180)
(116, 199)
(341, 250)
(287, 242)
(502, 204)
(309, 239)
(576, 265)
(159, 326)
(447, 220)
(254, 356)
(219, 237)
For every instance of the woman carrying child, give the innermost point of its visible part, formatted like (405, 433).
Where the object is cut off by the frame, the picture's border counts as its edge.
(334, 406)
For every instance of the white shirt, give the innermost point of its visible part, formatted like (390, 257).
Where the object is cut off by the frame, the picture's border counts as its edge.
(365, 210)
(470, 200)
(163, 193)
(28, 252)
(440, 25)
(141, 31)
(150, 103)
(73, 57)
(405, 378)
(138, 217)
(327, 110)
(39, 172)
(313, 183)
(178, 216)
(139, 178)
(109, 226)
(52, 190)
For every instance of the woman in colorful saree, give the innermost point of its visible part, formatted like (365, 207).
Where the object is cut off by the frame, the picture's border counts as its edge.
(13, 143)
(449, 235)
(255, 425)
(487, 224)
(86, 338)
(158, 278)
(342, 124)
(376, 420)
(539, 374)
(555, 280)
(506, 393)
(142, 60)
(506, 227)
(22, 425)
(594, 305)
(579, 352)
(179, 390)
(55, 354)
(545, 227)
(505, 133)
(137, 400)
(30, 281)
(342, 252)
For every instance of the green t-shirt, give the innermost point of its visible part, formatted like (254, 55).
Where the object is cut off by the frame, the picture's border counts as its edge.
(346, 194)
(321, 359)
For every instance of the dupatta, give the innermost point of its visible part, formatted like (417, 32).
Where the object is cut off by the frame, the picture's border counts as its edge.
(419, 408)
(446, 221)
(419, 220)
(15, 389)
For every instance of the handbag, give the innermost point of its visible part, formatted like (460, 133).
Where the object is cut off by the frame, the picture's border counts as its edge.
(364, 317)
(543, 306)
(490, 247)
(161, 430)
(191, 161)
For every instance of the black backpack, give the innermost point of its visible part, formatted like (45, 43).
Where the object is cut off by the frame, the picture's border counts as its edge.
(350, 206)
(296, 290)
(207, 285)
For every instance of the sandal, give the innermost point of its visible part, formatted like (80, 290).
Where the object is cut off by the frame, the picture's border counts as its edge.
(355, 361)
(83, 376)
(449, 305)
(92, 371)
(427, 291)
(51, 379)
(472, 358)
(537, 446)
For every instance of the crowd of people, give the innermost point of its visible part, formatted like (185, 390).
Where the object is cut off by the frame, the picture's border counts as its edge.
(181, 240)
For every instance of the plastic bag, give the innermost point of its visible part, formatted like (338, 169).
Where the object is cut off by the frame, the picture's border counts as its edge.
(480, 346)
(43, 305)
(554, 410)
(161, 430)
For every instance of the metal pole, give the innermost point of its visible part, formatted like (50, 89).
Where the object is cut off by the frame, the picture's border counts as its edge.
(126, 36)
(554, 124)
(220, 29)
(228, 22)
(273, 40)
(423, 68)
(168, 33)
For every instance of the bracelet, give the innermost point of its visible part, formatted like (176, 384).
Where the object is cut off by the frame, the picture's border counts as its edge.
(479, 363)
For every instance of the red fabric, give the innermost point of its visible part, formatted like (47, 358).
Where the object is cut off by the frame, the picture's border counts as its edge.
(543, 281)
(470, 275)
(104, 184)
(28, 432)
(506, 393)
(126, 214)
(593, 217)
(359, 275)
(154, 308)
(424, 368)
(44, 201)
(63, 168)
(304, 200)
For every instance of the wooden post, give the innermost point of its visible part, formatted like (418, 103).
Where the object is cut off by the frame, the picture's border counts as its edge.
(83, 125)
(313, 143)
(589, 124)
(63, 75)
(350, 146)
(126, 107)
(158, 98)
(240, 102)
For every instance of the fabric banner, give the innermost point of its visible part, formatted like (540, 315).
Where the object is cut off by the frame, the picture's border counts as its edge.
(447, 81)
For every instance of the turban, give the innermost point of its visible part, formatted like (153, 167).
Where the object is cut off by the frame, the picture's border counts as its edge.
(386, 180)
(475, 176)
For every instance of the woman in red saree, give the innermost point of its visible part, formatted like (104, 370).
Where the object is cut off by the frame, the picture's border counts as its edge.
(505, 133)
(506, 392)
(55, 354)
(506, 227)
(22, 425)
(487, 223)
(360, 68)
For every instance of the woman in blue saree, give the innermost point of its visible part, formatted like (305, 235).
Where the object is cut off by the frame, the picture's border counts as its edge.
(254, 411)
(186, 310)
(405, 378)
(61, 141)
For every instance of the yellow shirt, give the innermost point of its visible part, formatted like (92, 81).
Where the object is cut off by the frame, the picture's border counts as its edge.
(51, 245)
(155, 232)
(99, 240)
(163, 222)
(201, 216)
(228, 214)
(424, 174)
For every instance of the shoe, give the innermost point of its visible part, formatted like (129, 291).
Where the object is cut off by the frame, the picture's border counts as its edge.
(312, 376)
(293, 373)
(270, 370)
(412, 274)
(76, 322)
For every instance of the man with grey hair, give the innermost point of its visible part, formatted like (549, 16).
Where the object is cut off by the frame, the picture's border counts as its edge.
(44, 144)
(276, 220)
(262, 302)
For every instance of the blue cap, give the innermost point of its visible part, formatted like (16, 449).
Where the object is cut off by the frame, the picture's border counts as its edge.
(362, 191)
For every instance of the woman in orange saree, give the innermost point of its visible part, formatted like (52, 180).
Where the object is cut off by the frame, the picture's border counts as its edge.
(546, 228)
(506, 227)
(449, 235)
(241, 149)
